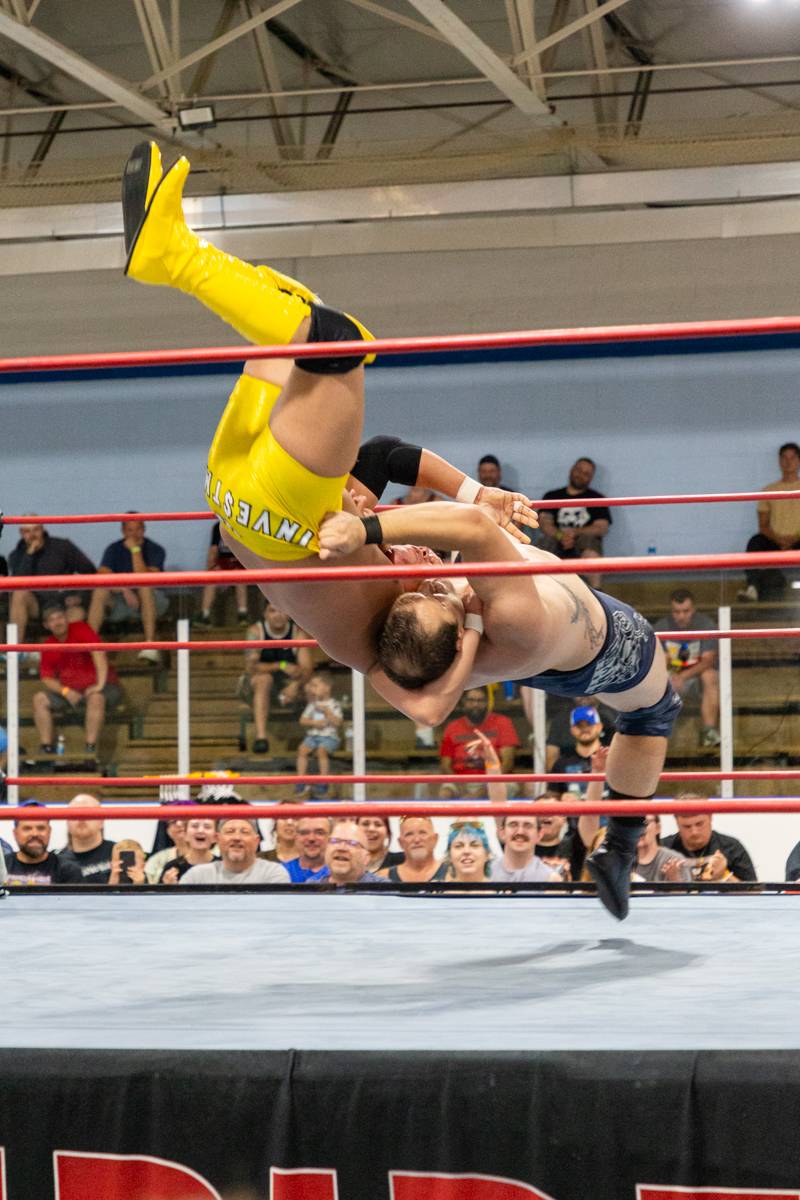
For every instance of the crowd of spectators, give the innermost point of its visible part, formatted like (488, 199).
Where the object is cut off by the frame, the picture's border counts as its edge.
(528, 848)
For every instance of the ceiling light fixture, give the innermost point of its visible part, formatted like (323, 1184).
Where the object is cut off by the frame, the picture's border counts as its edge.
(201, 116)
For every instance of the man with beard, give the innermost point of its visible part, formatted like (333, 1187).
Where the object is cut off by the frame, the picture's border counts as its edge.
(86, 845)
(587, 730)
(575, 531)
(518, 836)
(238, 840)
(458, 734)
(33, 864)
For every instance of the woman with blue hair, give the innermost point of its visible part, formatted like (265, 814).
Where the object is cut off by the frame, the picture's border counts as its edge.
(468, 853)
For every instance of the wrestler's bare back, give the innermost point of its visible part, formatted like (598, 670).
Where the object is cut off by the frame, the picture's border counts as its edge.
(546, 623)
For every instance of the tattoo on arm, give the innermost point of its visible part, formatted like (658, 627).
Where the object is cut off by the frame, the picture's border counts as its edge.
(594, 633)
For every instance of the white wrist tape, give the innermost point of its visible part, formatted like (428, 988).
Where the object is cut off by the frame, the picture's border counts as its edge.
(468, 491)
(473, 621)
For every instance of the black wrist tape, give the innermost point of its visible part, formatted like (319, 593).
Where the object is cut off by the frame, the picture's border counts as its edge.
(373, 530)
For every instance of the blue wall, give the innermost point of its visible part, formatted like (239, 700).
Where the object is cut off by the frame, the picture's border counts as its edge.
(680, 422)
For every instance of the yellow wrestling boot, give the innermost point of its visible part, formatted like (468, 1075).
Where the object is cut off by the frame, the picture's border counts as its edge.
(263, 305)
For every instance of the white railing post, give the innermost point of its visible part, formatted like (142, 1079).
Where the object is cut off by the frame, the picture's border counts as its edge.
(184, 711)
(359, 710)
(725, 701)
(359, 735)
(12, 713)
(539, 726)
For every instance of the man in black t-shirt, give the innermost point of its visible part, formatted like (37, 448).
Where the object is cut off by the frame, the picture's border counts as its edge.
(575, 531)
(87, 848)
(37, 553)
(33, 863)
(717, 857)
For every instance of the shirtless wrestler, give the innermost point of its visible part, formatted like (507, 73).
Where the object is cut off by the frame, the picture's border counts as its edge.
(549, 631)
(287, 441)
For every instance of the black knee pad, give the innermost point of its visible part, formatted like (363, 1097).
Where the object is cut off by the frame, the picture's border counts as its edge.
(330, 325)
(384, 460)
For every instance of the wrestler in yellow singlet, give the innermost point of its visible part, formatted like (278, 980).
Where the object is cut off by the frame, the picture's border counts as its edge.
(266, 499)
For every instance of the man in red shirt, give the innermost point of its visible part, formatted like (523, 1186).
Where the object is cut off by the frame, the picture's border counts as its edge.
(455, 758)
(73, 680)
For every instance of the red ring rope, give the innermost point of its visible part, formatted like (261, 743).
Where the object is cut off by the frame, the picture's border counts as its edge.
(606, 566)
(591, 335)
(403, 808)
(78, 647)
(149, 781)
(604, 502)
(300, 643)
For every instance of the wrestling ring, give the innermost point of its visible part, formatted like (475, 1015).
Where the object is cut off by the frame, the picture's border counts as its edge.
(434, 1041)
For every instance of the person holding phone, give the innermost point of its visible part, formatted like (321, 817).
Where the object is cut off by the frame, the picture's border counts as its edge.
(127, 864)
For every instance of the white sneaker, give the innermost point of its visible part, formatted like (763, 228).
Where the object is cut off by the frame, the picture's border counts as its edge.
(151, 656)
(747, 593)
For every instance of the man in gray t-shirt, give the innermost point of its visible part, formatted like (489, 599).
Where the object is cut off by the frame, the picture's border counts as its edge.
(519, 864)
(656, 863)
(692, 662)
(238, 841)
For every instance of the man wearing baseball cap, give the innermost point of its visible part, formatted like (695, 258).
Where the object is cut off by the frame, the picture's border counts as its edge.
(587, 731)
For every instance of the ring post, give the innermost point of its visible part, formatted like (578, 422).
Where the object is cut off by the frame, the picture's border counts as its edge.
(725, 700)
(12, 714)
(359, 734)
(184, 747)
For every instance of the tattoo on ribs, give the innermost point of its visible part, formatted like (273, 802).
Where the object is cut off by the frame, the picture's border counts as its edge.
(594, 634)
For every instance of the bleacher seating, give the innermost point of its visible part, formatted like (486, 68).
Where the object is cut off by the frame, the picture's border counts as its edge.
(140, 738)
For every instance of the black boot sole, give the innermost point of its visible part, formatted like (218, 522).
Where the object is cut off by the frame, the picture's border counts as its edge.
(135, 208)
